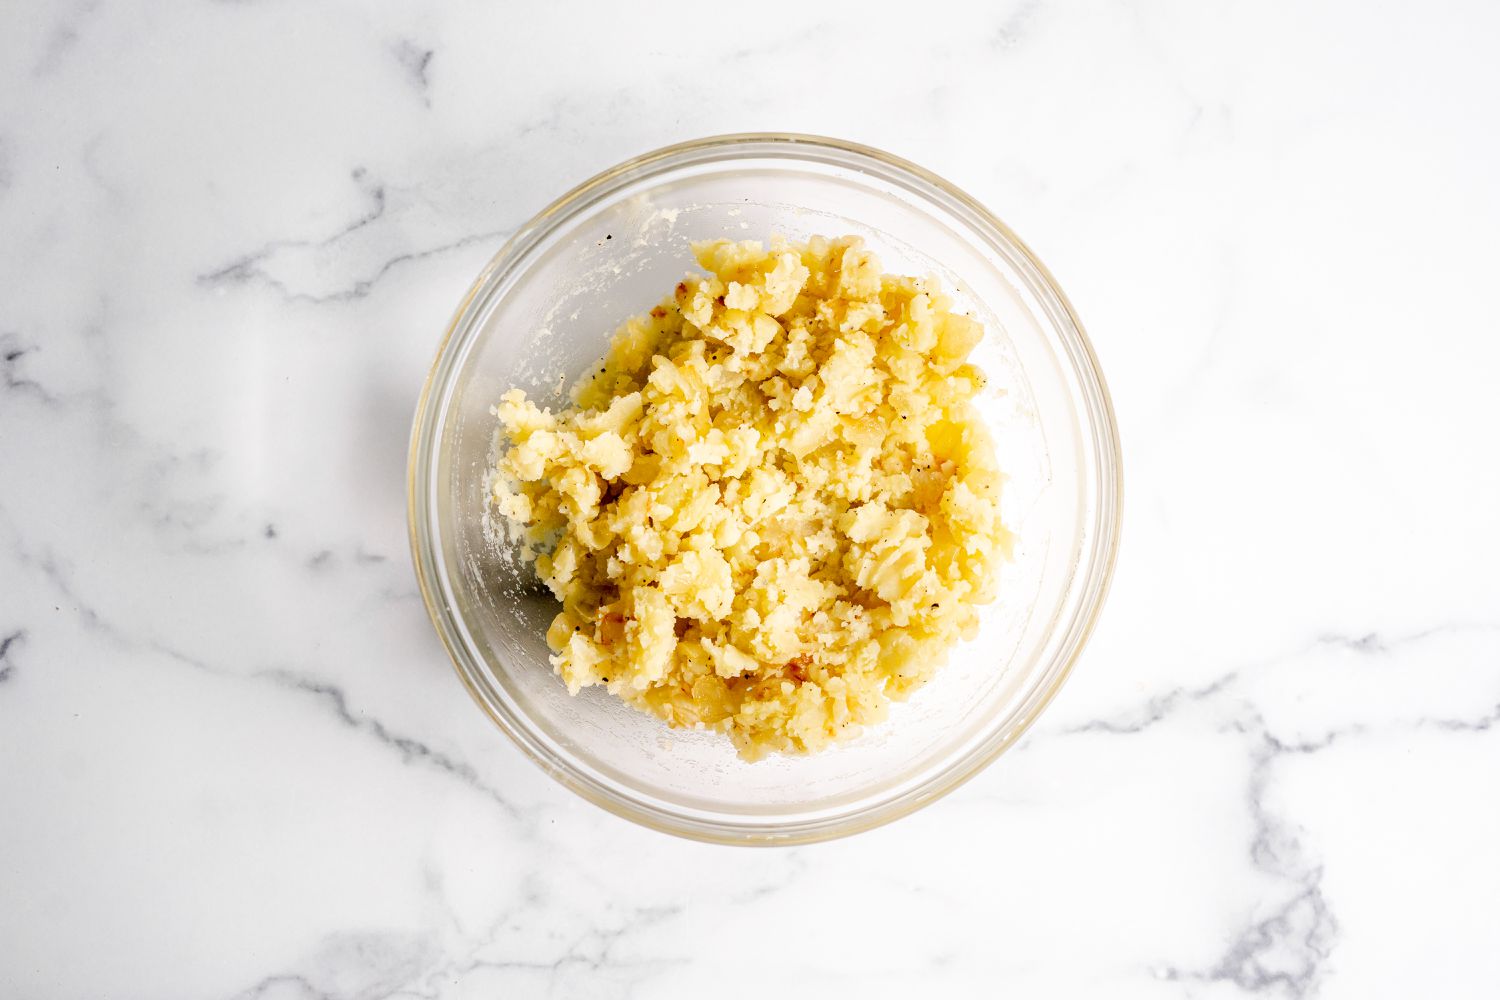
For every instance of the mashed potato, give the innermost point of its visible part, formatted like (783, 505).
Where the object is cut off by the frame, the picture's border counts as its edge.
(771, 508)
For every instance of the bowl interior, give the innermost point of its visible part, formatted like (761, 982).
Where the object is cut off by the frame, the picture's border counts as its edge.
(543, 314)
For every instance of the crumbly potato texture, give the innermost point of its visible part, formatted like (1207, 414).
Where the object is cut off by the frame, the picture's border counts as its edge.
(771, 509)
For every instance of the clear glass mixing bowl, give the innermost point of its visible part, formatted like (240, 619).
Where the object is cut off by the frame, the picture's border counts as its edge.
(542, 312)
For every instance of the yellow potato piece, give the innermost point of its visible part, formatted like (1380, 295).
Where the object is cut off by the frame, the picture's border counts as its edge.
(771, 508)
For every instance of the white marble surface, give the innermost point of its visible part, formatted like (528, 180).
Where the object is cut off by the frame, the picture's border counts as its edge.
(233, 760)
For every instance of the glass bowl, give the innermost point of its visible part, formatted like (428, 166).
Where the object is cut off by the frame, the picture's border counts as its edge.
(542, 312)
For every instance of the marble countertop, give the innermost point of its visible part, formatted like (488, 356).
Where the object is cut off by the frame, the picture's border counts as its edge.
(233, 760)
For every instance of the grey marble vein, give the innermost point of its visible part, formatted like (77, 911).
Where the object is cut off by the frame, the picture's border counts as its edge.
(1159, 707)
(90, 619)
(1017, 25)
(1375, 643)
(395, 965)
(325, 559)
(1480, 724)
(1281, 955)
(1156, 708)
(1287, 948)
(410, 749)
(13, 356)
(795, 864)
(590, 952)
(64, 36)
(1284, 953)
(352, 965)
(273, 987)
(414, 60)
(811, 37)
(10, 642)
(249, 269)
(1370, 642)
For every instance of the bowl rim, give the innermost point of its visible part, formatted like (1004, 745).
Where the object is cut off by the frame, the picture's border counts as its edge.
(1108, 522)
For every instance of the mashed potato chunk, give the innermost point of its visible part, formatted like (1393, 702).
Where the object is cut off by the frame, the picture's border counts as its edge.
(771, 509)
